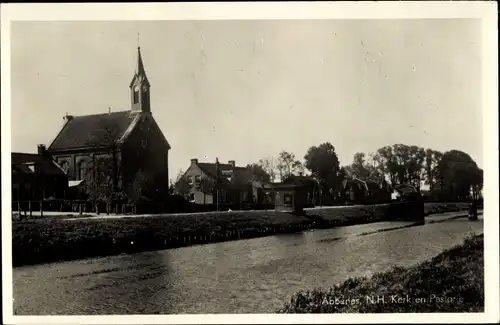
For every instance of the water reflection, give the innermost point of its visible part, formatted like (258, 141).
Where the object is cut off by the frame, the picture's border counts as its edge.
(110, 290)
(246, 276)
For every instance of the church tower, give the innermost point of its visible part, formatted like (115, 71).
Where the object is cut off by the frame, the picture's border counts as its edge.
(140, 87)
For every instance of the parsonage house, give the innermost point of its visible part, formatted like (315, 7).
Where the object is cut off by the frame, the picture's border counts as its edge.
(36, 177)
(124, 149)
(235, 185)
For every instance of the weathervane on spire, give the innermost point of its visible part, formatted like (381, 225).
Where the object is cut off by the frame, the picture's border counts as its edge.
(138, 40)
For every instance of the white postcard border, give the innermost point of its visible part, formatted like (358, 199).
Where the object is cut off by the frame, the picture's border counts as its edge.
(487, 11)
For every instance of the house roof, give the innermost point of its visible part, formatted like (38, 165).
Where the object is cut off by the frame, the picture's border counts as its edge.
(94, 130)
(240, 174)
(354, 180)
(367, 184)
(285, 186)
(211, 170)
(298, 180)
(22, 162)
(405, 188)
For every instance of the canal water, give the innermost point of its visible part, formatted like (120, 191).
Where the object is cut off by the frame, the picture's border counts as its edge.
(246, 276)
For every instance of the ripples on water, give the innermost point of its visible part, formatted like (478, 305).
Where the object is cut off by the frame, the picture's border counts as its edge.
(246, 276)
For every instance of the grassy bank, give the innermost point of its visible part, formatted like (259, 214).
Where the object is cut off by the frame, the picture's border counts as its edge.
(46, 240)
(50, 239)
(453, 281)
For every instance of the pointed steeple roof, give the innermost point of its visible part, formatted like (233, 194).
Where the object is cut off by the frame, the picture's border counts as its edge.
(140, 72)
(140, 66)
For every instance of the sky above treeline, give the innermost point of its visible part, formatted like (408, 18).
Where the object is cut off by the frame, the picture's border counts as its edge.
(245, 90)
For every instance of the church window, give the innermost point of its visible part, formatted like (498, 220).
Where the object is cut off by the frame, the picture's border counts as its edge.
(136, 95)
(82, 169)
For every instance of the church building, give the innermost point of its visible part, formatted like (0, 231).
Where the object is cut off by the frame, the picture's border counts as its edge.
(123, 150)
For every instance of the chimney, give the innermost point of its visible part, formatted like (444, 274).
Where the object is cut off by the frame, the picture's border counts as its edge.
(194, 161)
(232, 163)
(67, 117)
(41, 149)
(109, 110)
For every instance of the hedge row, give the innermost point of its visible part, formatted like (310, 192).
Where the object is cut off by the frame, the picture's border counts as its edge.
(390, 211)
(49, 240)
(46, 240)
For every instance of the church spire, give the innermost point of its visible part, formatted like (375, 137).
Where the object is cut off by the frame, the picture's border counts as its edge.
(139, 70)
(140, 86)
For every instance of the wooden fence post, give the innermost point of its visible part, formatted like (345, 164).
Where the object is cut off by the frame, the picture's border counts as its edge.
(19, 209)
(107, 208)
(41, 208)
(31, 211)
(80, 209)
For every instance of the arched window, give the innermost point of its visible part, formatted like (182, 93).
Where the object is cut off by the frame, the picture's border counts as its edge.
(82, 169)
(136, 94)
(103, 171)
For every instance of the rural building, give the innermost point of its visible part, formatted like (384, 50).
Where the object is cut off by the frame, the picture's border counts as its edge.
(294, 193)
(37, 177)
(236, 186)
(401, 191)
(358, 191)
(125, 150)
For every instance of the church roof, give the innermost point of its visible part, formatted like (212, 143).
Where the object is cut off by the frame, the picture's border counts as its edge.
(94, 130)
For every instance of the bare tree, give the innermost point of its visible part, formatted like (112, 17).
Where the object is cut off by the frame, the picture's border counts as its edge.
(288, 165)
(269, 166)
(181, 185)
(101, 174)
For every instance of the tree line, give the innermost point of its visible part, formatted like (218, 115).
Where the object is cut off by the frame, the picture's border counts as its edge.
(452, 175)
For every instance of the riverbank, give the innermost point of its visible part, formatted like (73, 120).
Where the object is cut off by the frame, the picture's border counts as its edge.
(50, 240)
(453, 281)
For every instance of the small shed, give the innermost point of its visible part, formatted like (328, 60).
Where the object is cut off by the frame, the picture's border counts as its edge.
(290, 197)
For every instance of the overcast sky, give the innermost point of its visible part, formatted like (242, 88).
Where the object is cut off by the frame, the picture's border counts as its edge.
(244, 90)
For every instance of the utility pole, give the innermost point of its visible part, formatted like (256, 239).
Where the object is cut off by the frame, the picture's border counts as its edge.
(217, 180)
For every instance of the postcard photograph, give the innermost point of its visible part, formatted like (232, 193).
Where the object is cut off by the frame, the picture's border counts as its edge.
(250, 165)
